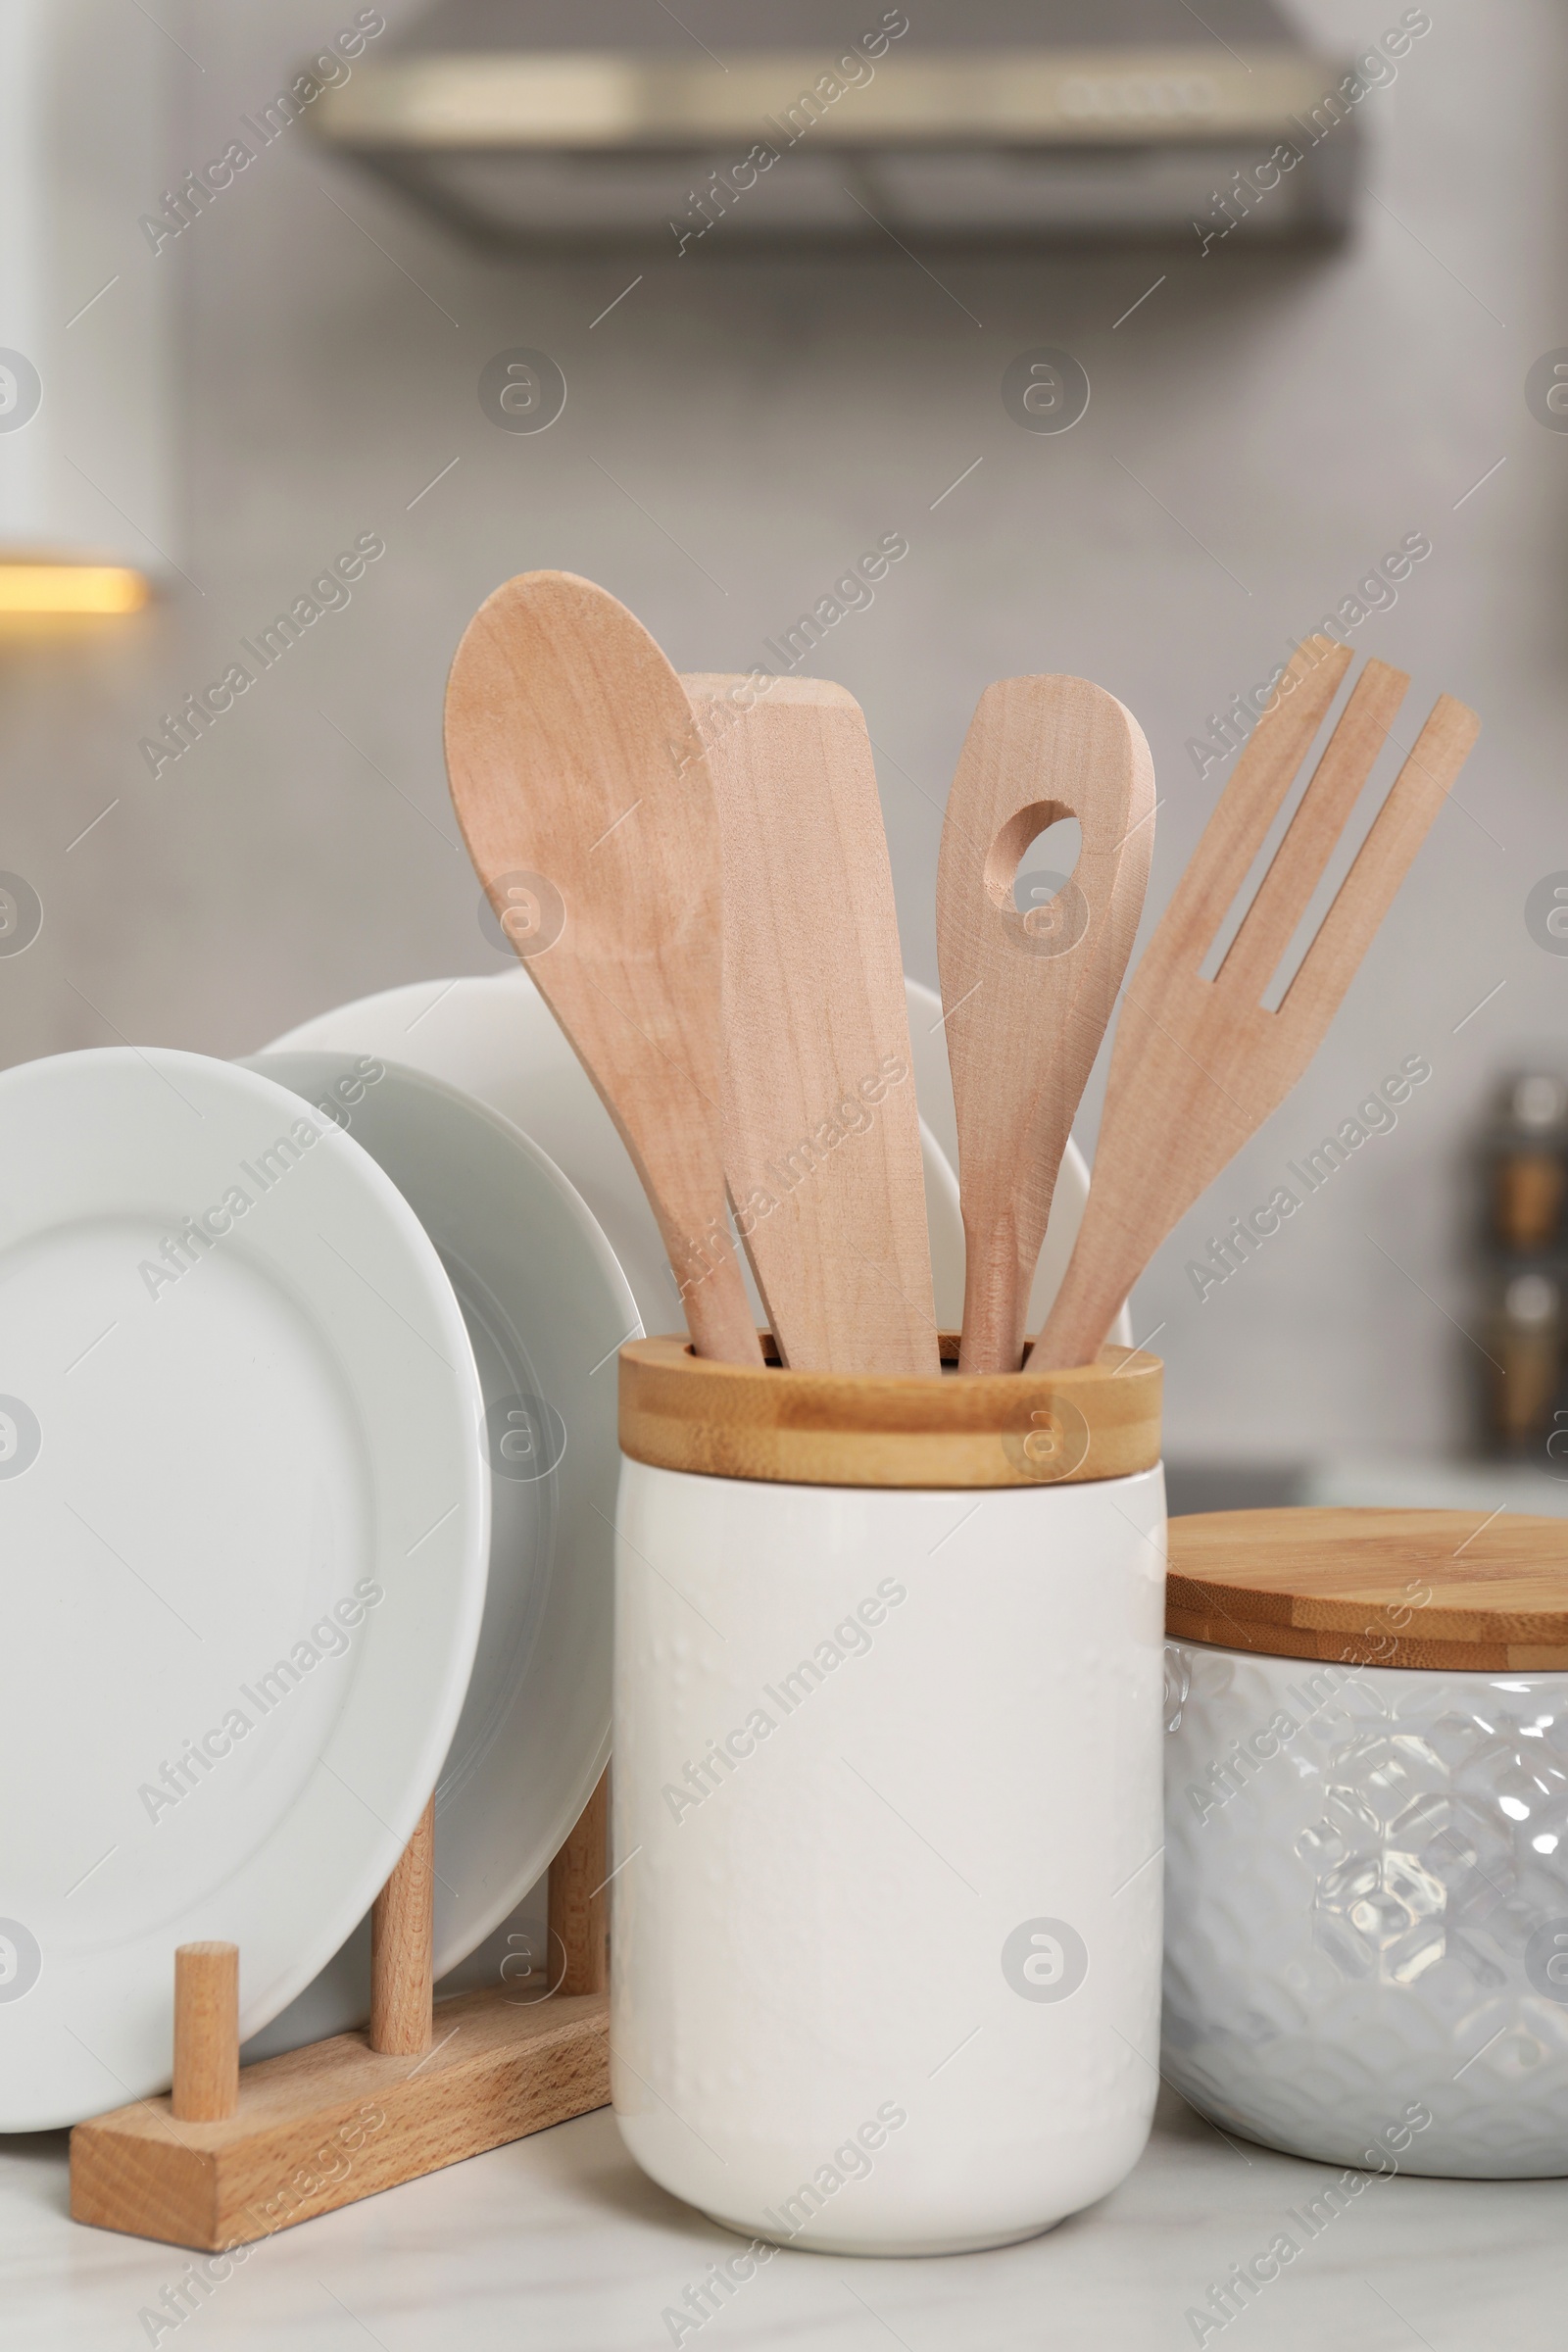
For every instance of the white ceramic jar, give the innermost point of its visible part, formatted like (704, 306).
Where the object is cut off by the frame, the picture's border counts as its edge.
(887, 1905)
(1367, 1864)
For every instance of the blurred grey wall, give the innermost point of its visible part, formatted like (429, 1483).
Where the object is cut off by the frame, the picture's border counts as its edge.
(1262, 431)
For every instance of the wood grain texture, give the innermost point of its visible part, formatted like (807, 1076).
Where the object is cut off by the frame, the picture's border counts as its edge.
(1027, 995)
(1014, 1429)
(206, 2086)
(1387, 1587)
(1197, 1065)
(401, 1931)
(579, 1899)
(586, 803)
(321, 2127)
(822, 1133)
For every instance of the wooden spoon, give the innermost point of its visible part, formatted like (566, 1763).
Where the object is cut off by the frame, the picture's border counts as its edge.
(587, 807)
(1198, 1064)
(821, 1135)
(1028, 995)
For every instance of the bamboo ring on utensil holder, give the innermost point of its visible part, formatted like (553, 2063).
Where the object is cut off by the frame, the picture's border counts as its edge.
(680, 1411)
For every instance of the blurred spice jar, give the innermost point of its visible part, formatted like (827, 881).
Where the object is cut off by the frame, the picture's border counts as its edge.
(1530, 1164)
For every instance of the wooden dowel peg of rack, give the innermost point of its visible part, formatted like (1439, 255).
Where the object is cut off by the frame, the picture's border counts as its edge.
(206, 2033)
(235, 2153)
(579, 1898)
(402, 1936)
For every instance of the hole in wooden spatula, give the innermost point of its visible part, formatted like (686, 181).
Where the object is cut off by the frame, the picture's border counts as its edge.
(1046, 866)
(1051, 905)
(1029, 877)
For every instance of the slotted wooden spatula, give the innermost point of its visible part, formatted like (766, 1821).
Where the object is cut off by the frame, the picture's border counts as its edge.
(1027, 994)
(821, 1135)
(584, 799)
(1198, 1064)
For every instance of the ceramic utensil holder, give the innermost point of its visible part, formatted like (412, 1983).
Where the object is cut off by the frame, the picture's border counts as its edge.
(885, 1969)
(1367, 1836)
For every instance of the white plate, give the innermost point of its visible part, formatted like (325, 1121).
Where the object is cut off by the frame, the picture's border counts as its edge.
(497, 1039)
(244, 1522)
(933, 1084)
(547, 1308)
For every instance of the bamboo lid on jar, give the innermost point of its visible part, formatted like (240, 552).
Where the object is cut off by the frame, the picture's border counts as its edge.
(680, 1411)
(1447, 1589)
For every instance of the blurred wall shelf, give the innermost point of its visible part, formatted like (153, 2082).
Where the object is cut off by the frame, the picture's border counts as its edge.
(1003, 121)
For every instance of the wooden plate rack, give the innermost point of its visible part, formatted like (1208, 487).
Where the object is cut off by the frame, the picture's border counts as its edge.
(233, 2153)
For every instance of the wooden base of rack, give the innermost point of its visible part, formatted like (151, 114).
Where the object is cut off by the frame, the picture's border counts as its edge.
(321, 2127)
(294, 2136)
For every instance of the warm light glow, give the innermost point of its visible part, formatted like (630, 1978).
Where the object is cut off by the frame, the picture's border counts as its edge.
(45, 588)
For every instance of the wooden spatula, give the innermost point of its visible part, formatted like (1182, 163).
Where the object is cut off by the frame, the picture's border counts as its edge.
(821, 1135)
(587, 807)
(1027, 994)
(1198, 1064)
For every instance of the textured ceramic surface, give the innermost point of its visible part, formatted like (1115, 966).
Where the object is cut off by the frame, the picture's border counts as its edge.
(1367, 1908)
(887, 1821)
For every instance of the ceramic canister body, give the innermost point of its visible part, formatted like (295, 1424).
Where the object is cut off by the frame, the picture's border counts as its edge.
(886, 1818)
(1367, 1910)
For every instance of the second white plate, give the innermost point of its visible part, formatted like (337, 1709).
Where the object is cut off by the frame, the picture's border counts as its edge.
(546, 1307)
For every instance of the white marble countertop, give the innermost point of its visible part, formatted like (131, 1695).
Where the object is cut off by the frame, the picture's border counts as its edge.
(559, 2242)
